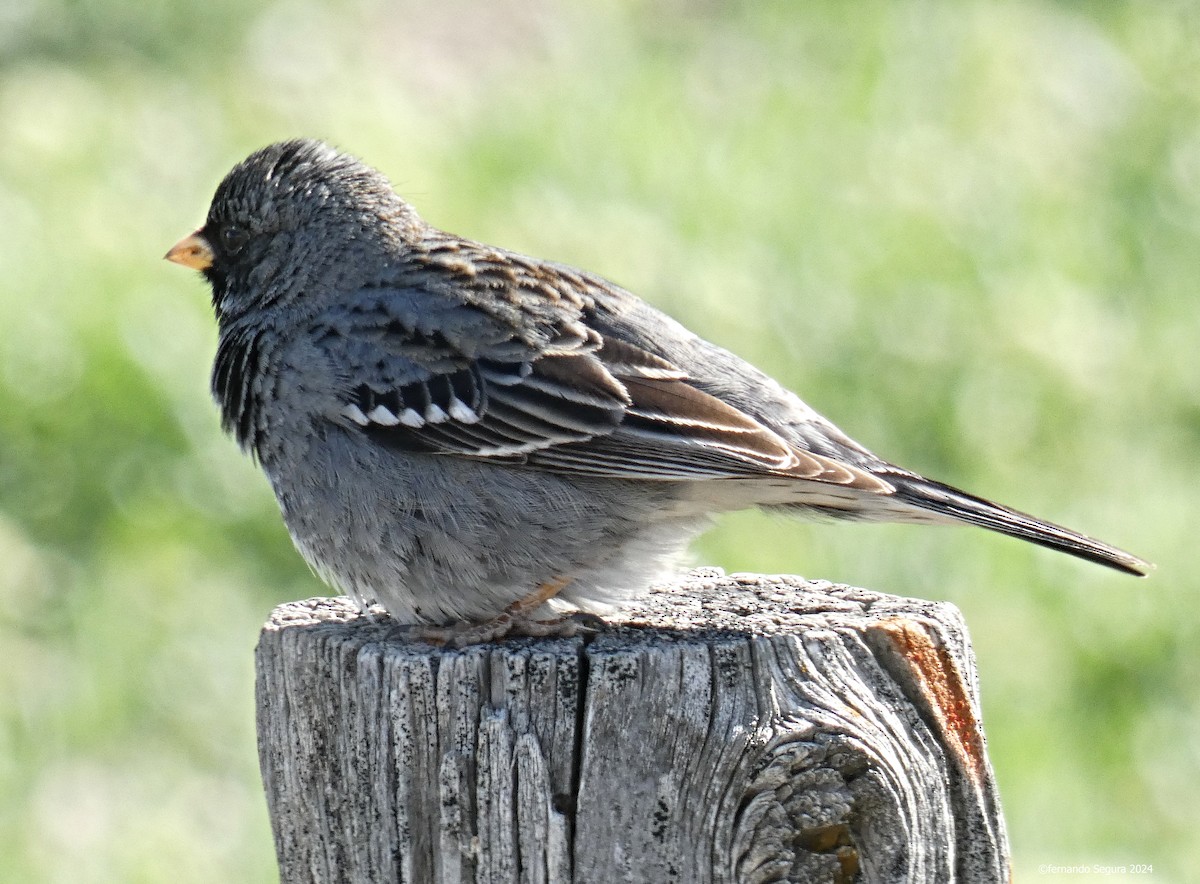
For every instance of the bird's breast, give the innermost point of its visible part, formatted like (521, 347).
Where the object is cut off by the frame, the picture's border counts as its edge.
(236, 381)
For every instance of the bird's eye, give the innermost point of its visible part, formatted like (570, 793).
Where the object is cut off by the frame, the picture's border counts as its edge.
(233, 238)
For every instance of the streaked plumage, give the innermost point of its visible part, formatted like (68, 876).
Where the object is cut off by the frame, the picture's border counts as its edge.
(449, 425)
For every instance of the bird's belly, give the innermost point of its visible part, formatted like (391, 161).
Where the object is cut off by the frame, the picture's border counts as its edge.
(438, 539)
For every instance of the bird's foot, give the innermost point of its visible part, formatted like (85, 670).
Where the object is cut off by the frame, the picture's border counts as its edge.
(461, 635)
(515, 621)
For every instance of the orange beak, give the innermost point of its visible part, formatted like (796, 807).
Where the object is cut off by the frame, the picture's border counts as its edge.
(192, 251)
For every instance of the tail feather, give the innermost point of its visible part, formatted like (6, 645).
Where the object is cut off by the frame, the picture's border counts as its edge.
(947, 501)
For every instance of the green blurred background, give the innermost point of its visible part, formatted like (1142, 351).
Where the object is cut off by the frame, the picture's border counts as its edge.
(967, 232)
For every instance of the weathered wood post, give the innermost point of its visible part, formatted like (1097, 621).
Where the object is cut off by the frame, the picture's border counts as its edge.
(746, 729)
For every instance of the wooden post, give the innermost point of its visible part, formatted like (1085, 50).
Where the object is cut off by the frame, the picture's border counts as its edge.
(727, 729)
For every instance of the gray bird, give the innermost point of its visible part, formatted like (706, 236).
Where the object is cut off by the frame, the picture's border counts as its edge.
(462, 433)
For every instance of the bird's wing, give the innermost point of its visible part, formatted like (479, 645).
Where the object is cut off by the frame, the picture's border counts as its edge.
(427, 372)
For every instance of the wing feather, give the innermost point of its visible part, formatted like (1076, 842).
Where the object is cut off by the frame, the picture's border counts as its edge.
(577, 402)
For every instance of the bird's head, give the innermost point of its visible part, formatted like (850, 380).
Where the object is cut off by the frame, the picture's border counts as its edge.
(294, 215)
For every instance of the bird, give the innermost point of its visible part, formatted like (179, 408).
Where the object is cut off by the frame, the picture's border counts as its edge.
(482, 442)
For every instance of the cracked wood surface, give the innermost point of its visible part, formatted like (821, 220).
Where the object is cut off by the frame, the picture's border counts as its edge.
(726, 729)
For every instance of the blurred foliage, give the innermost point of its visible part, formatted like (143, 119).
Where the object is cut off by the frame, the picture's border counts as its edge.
(966, 232)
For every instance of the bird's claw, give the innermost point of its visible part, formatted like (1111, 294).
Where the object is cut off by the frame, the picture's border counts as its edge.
(461, 635)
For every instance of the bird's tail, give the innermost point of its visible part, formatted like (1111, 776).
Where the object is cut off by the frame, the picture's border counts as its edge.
(934, 497)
